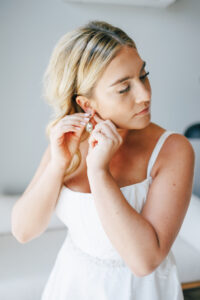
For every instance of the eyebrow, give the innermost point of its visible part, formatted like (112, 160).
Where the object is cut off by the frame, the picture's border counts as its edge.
(128, 77)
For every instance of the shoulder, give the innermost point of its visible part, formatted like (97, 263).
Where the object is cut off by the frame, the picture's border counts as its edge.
(173, 143)
(177, 144)
(178, 152)
(176, 148)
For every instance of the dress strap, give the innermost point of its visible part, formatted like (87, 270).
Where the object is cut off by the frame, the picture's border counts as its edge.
(157, 148)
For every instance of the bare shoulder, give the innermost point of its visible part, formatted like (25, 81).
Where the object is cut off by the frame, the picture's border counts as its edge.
(175, 142)
(175, 148)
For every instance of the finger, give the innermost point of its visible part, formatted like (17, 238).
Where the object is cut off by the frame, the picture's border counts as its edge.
(110, 123)
(114, 128)
(65, 129)
(68, 128)
(107, 131)
(74, 118)
(95, 138)
(75, 123)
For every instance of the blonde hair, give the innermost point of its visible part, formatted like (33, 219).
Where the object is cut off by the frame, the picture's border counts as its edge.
(76, 63)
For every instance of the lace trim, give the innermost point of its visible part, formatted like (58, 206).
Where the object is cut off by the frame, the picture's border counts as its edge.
(94, 259)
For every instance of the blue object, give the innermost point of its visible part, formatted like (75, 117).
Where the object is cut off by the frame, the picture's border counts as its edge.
(193, 131)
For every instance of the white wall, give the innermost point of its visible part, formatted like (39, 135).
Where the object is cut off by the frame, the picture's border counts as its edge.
(168, 39)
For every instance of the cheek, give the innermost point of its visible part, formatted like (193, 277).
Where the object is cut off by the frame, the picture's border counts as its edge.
(114, 106)
(106, 107)
(127, 103)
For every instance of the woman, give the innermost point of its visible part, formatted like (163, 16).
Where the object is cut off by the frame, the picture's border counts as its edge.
(119, 182)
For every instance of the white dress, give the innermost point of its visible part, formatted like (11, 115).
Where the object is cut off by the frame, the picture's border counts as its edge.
(88, 267)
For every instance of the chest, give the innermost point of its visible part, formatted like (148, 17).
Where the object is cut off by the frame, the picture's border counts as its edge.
(127, 168)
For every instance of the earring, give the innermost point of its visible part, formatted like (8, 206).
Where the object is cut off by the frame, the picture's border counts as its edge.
(89, 127)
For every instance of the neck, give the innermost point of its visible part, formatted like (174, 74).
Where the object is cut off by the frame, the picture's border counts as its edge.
(123, 132)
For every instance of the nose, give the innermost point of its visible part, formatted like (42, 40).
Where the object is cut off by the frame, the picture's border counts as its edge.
(142, 92)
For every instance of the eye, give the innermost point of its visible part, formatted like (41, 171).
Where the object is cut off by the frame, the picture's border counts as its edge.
(126, 90)
(144, 76)
(128, 87)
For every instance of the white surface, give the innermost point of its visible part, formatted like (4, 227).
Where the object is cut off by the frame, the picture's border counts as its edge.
(25, 267)
(190, 229)
(187, 260)
(148, 3)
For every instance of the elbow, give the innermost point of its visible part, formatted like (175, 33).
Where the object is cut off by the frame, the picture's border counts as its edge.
(147, 266)
(16, 230)
(140, 270)
(143, 270)
(22, 238)
(19, 237)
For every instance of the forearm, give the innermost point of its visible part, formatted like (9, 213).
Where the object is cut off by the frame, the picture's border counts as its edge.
(132, 236)
(32, 211)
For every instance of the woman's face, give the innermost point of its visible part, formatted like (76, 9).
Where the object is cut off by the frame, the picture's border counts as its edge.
(123, 90)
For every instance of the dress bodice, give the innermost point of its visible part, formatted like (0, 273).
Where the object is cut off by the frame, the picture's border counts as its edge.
(87, 265)
(78, 212)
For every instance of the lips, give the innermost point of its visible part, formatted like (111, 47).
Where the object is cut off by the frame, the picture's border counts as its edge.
(143, 110)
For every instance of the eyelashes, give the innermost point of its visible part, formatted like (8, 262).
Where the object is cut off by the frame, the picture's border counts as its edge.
(144, 76)
(128, 87)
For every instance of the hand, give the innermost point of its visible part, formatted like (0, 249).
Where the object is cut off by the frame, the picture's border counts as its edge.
(65, 138)
(104, 141)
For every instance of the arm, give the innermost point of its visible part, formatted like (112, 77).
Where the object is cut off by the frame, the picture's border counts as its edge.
(130, 233)
(143, 240)
(32, 211)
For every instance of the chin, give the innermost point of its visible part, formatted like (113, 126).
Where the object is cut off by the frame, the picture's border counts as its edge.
(142, 122)
(139, 124)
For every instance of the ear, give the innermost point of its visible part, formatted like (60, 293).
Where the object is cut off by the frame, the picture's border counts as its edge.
(80, 101)
(84, 103)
